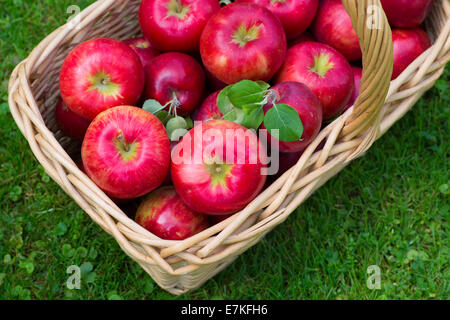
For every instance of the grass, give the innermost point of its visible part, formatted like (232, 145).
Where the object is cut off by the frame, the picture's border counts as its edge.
(389, 208)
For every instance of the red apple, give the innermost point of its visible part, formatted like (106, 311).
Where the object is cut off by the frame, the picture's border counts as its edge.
(295, 15)
(117, 201)
(177, 77)
(143, 48)
(406, 13)
(176, 25)
(126, 152)
(243, 41)
(324, 70)
(357, 75)
(333, 26)
(302, 99)
(408, 45)
(164, 214)
(219, 167)
(209, 109)
(100, 74)
(71, 124)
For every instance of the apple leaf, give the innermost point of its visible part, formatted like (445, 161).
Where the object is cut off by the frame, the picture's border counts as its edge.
(223, 101)
(286, 120)
(164, 116)
(253, 117)
(246, 93)
(152, 106)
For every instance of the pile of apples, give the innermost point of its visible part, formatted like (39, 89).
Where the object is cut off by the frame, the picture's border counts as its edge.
(133, 103)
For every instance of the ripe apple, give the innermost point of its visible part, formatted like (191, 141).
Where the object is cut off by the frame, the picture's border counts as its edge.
(209, 109)
(295, 15)
(406, 13)
(243, 41)
(333, 26)
(324, 70)
(100, 74)
(164, 214)
(176, 25)
(126, 152)
(219, 167)
(175, 77)
(408, 45)
(143, 48)
(357, 75)
(117, 201)
(302, 99)
(71, 124)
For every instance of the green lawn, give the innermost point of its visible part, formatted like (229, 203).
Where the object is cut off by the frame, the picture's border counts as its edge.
(389, 208)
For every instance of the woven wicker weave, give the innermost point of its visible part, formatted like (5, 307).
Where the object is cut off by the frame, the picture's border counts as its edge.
(179, 266)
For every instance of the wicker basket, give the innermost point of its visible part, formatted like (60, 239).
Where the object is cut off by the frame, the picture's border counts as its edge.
(179, 266)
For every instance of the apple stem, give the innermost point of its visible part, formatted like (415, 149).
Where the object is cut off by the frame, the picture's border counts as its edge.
(122, 142)
(174, 104)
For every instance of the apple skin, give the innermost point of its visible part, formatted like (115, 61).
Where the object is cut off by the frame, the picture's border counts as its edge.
(408, 45)
(143, 48)
(100, 74)
(302, 99)
(243, 41)
(164, 214)
(126, 152)
(212, 188)
(406, 13)
(117, 201)
(333, 26)
(357, 75)
(295, 15)
(170, 31)
(175, 73)
(71, 124)
(332, 82)
(209, 109)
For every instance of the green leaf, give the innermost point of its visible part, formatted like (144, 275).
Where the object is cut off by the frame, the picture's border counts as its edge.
(152, 106)
(263, 85)
(81, 252)
(68, 251)
(252, 117)
(189, 122)
(177, 134)
(28, 266)
(93, 253)
(90, 277)
(86, 267)
(246, 93)
(7, 259)
(112, 295)
(176, 128)
(286, 120)
(223, 101)
(164, 116)
(60, 229)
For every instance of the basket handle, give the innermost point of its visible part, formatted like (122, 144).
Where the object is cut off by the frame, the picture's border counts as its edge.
(375, 38)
